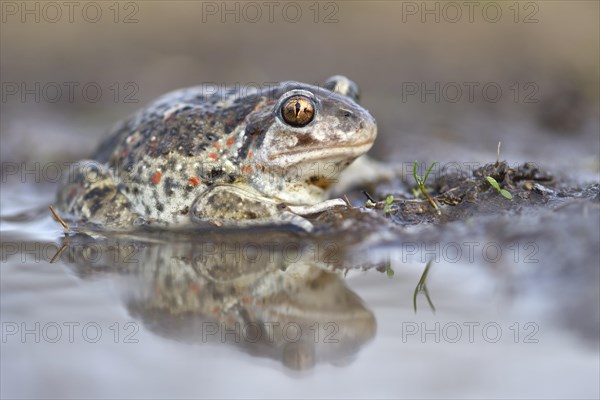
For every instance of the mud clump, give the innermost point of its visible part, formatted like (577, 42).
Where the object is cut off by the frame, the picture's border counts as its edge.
(466, 194)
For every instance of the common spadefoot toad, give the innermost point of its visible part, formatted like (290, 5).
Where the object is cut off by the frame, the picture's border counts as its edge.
(229, 157)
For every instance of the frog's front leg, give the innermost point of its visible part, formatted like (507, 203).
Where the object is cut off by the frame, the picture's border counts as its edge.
(226, 205)
(90, 193)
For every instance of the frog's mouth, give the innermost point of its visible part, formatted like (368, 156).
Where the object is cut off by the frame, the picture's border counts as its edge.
(318, 168)
(336, 154)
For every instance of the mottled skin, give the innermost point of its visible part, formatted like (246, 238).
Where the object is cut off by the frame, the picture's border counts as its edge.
(184, 287)
(226, 157)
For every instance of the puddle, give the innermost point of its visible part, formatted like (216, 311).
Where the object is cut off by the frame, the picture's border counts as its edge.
(513, 303)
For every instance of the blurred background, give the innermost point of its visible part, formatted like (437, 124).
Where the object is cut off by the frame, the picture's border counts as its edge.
(444, 80)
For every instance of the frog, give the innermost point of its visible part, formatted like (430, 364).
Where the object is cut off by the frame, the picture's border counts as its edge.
(223, 156)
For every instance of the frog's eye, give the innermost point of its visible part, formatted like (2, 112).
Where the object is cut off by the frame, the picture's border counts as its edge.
(298, 110)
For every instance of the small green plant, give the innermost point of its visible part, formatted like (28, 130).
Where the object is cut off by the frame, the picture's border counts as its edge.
(422, 287)
(421, 183)
(388, 204)
(505, 193)
(388, 270)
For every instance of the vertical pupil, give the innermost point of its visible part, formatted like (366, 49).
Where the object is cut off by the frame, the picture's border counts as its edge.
(297, 111)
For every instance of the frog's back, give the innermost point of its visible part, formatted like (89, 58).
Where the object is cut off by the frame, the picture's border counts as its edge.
(178, 121)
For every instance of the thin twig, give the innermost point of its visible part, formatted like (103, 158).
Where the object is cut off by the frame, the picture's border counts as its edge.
(60, 250)
(59, 219)
(368, 196)
(345, 198)
(498, 154)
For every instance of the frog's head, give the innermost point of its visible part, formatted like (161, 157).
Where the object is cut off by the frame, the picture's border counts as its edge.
(306, 135)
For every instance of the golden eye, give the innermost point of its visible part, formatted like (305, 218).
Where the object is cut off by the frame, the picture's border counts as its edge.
(298, 110)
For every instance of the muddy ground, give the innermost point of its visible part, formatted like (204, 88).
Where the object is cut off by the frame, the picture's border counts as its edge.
(534, 75)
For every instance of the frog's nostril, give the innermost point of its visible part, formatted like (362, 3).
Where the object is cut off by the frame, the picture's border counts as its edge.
(346, 113)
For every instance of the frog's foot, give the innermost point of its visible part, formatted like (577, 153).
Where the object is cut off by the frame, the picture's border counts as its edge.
(232, 206)
(91, 194)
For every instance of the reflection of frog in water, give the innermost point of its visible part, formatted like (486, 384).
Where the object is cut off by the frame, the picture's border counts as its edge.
(230, 157)
(259, 295)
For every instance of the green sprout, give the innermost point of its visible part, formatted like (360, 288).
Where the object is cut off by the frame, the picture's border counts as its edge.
(388, 270)
(421, 183)
(505, 193)
(422, 287)
(388, 204)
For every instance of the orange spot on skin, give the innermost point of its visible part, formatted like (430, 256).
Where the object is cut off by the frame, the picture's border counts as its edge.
(247, 169)
(194, 287)
(214, 156)
(194, 181)
(217, 146)
(156, 177)
(250, 154)
(230, 141)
